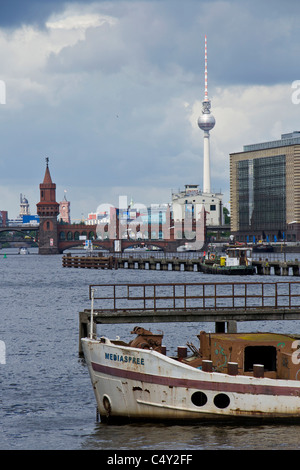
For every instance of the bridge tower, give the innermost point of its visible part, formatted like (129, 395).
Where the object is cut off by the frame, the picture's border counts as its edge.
(48, 210)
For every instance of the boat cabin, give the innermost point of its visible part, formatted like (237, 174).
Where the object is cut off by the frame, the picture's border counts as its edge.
(277, 353)
(239, 256)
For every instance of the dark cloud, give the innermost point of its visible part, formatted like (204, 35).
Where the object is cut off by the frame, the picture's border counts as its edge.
(15, 13)
(252, 42)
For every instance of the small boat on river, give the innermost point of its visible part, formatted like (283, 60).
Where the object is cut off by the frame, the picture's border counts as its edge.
(23, 250)
(236, 261)
(263, 248)
(227, 377)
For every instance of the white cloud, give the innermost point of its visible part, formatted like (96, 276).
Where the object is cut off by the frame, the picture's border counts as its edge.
(244, 115)
(81, 22)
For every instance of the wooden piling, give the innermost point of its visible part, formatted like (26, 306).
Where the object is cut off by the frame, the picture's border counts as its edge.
(265, 267)
(89, 262)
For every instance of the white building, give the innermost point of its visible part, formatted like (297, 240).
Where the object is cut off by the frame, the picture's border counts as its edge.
(189, 202)
(24, 206)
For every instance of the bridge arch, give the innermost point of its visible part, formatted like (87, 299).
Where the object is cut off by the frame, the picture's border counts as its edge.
(24, 228)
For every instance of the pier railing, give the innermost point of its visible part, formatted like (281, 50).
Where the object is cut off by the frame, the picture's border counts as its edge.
(196, 296)
(221, 303)
(186, 255)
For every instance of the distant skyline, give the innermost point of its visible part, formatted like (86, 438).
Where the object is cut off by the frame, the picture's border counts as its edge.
(111, 91)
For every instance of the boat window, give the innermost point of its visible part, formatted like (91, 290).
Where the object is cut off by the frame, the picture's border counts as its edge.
(265, 355)
(221, 400)
(199, 398)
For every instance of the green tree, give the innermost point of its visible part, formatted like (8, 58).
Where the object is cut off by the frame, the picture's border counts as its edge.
(226, 215)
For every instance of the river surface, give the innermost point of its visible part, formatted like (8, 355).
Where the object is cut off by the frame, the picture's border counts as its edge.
(46, 397)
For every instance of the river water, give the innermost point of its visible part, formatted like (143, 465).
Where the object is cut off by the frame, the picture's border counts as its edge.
(46, 399)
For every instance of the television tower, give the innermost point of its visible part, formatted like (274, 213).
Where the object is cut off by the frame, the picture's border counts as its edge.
(206, 122)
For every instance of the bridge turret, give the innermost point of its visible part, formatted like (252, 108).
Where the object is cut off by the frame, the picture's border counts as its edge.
(48, 210)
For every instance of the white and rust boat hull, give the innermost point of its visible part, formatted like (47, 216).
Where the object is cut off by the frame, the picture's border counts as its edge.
(131, 383)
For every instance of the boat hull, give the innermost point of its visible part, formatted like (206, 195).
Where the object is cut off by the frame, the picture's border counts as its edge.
(228, 270)
(134, 384)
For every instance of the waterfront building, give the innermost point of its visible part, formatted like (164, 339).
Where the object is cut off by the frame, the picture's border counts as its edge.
(24, 206)
(188, 203)
(64, 210)
(24, 217)
(30, 220)
(3, 218)
(265, 191)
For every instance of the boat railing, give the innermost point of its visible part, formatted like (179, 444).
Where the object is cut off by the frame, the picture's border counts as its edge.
(196, 296)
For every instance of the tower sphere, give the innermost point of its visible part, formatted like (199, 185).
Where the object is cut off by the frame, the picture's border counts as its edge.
(206, 122)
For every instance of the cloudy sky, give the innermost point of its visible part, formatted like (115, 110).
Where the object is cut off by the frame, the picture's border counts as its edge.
(110, 91)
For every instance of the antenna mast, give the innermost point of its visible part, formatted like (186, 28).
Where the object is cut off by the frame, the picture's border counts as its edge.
(206, 122)
(205, 73)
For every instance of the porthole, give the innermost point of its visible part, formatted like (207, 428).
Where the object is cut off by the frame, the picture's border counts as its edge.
(221, 400)
(199, 399)
(107, 405)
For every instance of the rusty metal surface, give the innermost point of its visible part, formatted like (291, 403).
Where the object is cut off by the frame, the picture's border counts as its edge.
(197, 296)
(224, 352)
(276, 352)
(145, 339)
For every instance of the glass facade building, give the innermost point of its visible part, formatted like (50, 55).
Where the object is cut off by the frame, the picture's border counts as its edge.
(265, 191)
(261, 184)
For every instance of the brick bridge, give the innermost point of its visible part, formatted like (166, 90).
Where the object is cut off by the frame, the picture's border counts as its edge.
(54, 237)
(71, 235)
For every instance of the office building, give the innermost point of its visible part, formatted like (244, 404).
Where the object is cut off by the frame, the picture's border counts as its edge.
(265, 191)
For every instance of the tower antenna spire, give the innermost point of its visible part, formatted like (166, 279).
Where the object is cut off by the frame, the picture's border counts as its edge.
(205, 72)
(206, 122)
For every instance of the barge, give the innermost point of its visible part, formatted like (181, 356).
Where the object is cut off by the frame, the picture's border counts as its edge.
(229, 376)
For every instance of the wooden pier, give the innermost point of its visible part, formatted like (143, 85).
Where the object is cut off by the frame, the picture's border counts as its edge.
(89, 262)
(220, 303)
(277, 267)
(176, 262)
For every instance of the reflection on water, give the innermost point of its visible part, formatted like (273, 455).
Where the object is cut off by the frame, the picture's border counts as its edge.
(195, 437)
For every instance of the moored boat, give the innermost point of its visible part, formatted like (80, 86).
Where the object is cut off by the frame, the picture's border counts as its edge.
(23, 250)
(263, 248)
(236, 261)
(229, 376)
